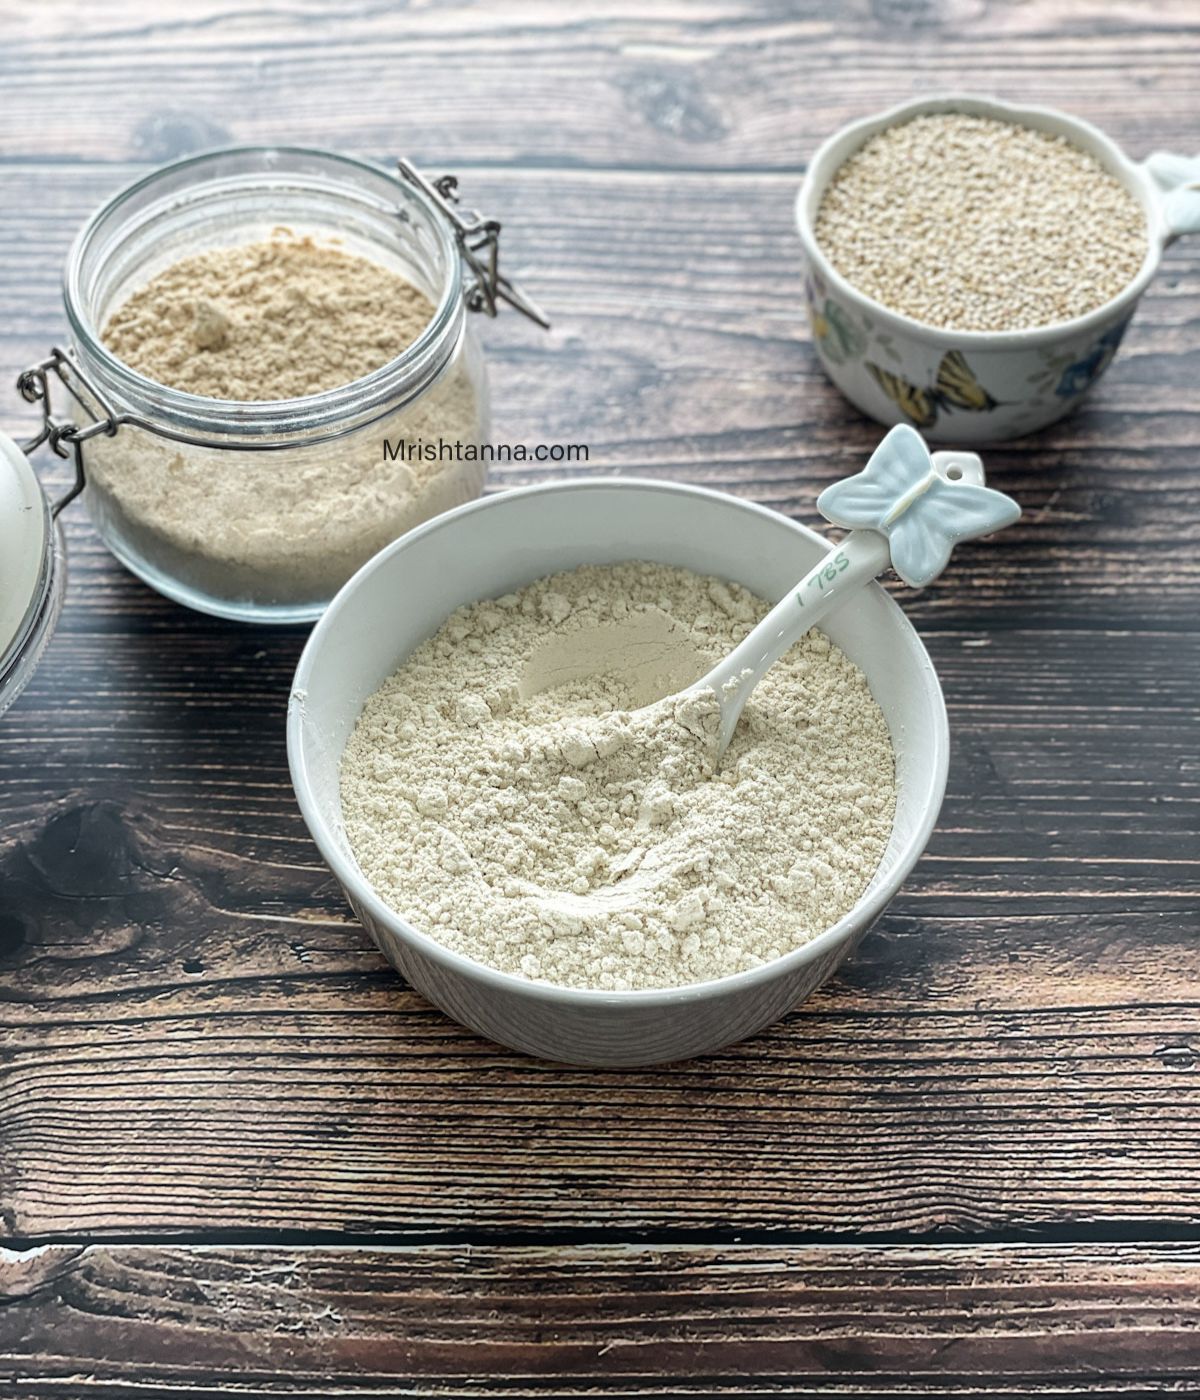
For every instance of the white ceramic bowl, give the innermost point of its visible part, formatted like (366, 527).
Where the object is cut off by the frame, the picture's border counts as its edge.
(493, 546)
(1028, 378)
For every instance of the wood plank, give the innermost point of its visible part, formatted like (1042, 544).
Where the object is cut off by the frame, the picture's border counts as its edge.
(993, 1321)
(385, 1121)
(658, 84)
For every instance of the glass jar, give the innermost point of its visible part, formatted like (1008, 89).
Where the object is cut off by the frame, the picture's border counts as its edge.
(33, 571)
(260, 510)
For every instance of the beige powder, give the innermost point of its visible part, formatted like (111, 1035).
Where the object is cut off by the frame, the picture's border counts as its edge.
(279, 319)
(274, 319)
(506, 794)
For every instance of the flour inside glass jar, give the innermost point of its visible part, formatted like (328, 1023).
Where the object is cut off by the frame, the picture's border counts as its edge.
(282, 318)
(525, 789)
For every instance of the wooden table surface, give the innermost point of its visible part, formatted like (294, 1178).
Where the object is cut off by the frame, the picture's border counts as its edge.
(239, 1158)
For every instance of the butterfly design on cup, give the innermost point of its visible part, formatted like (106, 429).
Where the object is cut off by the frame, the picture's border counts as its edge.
(924, 504)
(954, 387)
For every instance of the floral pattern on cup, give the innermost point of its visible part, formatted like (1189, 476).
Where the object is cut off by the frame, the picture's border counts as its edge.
(836, 334)
(1081, 375)
(1069, 373)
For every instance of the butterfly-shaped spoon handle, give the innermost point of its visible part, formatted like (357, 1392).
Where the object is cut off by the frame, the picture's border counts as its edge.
(924, 504)
(907, 508)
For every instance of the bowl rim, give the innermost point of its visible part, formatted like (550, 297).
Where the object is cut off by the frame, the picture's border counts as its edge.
(356, 887)
(983, 105)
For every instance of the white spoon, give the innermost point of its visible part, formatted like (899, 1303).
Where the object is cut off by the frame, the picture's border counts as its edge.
(906, 508)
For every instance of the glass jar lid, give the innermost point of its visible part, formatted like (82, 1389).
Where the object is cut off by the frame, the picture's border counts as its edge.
(32, 571)
(24, 539)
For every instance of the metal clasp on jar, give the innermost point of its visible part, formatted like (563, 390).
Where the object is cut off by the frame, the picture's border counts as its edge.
(66, 437)
(478, 241)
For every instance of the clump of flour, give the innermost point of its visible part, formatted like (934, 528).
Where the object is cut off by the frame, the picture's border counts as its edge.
(520, 791)
(282, 318)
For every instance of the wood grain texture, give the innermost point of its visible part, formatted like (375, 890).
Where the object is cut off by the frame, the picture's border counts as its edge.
(121, 1322)
(656, 84)
(969, 1165)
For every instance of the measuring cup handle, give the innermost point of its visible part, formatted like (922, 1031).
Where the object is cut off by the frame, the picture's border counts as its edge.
(1177, 180)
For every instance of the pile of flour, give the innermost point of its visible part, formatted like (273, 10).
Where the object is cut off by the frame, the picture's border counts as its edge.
(281, 318)
(277, 319)
(521, 791)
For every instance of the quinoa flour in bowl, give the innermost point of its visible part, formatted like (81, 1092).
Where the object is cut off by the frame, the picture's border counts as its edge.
(414, 794)
(498, 792)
